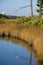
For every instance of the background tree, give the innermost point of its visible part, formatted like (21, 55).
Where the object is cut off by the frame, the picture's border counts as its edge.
(40, 7)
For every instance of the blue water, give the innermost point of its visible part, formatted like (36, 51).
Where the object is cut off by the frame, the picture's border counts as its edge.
(14, 54)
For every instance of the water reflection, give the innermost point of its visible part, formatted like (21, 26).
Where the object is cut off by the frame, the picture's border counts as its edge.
(18, 53)
(30, 57)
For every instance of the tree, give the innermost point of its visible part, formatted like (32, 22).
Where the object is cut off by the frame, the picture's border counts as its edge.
(40, 6)
(31, 7)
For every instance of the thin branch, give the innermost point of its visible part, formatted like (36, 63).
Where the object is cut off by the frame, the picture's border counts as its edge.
(22, 8)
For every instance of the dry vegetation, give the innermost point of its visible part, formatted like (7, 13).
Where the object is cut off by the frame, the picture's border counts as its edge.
(33, 35)
(27, 29)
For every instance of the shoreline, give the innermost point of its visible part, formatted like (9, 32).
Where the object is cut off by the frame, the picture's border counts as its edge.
(32, 35)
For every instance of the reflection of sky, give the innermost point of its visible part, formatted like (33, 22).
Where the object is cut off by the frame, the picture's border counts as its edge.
(9, 6)
(9, 52)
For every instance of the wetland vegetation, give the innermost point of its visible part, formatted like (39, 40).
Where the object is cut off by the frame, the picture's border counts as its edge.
(21, 37)
(26, 21)
(33, 36)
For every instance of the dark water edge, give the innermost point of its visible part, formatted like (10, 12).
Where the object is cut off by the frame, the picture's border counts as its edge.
(15, 54)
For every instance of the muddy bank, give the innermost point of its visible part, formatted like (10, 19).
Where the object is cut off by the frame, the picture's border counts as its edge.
(33, 36)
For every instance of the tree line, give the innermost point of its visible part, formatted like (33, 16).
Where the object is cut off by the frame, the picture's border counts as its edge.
(40, 7)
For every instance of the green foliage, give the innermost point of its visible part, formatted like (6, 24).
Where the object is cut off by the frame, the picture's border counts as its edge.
(26, 21)
(22, 20)
(28, 24)
(38, 4)
(30, 21)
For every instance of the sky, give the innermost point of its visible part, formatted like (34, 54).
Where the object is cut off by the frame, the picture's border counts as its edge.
(9, 7)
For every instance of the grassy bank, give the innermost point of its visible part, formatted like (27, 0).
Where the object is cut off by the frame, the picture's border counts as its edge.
(32, 35)
(28, 29)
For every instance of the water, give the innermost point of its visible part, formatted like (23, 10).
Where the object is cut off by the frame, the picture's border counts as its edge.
(15, 54)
